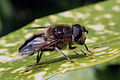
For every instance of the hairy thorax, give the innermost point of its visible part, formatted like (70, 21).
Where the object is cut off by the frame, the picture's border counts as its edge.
(62, 33)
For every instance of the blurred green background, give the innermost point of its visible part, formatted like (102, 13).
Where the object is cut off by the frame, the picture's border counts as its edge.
(14, 14)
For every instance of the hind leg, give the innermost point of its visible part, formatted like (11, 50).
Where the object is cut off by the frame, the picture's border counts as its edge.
(38, 60)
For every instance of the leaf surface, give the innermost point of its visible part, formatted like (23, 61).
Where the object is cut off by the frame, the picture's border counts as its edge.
(102, 22)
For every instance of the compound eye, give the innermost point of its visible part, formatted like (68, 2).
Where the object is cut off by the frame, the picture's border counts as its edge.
(76, 32)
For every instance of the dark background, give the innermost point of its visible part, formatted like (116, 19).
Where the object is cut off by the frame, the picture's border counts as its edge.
(16, 13)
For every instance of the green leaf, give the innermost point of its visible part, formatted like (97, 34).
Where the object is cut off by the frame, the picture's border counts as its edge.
(81, 74)
(102, 22)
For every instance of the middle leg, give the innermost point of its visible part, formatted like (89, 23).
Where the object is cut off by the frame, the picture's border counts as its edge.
(63, 54)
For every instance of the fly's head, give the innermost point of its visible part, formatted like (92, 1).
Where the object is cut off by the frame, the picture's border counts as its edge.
(78, 34)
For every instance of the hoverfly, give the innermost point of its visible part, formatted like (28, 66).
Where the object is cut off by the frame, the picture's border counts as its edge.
(56, 37)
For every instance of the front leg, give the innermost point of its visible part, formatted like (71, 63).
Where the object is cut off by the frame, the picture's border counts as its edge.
(70, 46)
(87, 48)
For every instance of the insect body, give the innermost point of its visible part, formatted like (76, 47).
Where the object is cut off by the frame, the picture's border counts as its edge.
(56, 37)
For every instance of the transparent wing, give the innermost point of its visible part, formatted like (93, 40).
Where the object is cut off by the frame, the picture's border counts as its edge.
(32, 46)
(18, 58)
